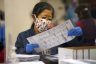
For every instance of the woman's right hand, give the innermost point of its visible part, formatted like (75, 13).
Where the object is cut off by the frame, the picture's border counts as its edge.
(30, 47)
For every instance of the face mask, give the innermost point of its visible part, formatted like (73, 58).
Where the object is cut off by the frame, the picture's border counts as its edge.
(42, 24)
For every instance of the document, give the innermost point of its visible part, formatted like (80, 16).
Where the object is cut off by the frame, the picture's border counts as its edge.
(53, 37)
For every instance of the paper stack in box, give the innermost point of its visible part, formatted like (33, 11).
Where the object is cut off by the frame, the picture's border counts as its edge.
(25, 58)
(33, 62)
(77, 55)
(52, 57)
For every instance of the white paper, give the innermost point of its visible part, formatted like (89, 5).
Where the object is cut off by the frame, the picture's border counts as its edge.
(33, 62)
(92, 54)
(85, 53)
(80, 54)
(74, 54)
(65, 53)
(24, 58)
(52, 37)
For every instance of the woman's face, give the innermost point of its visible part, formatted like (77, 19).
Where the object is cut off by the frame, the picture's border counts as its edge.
(45, 18)
(46, 14)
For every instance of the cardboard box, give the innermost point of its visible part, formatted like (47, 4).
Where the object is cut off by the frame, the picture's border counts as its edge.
(77, 53)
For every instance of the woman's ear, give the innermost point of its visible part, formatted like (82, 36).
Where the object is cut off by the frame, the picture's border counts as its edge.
(34, 16)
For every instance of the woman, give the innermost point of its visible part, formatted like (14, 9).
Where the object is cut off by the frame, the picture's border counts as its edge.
(87, 24)
(42, 14)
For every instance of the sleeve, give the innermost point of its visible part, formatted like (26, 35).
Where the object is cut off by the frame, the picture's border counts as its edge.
(20, 44)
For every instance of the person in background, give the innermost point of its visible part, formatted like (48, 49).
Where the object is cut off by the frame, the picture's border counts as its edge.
(2, 36)
(87, 25)
(93, 14)
(70, 10)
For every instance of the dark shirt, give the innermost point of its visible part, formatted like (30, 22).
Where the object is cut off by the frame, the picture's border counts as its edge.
(89, 31)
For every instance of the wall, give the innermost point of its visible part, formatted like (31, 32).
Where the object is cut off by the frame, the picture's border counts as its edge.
(18, 19)
(2, 5)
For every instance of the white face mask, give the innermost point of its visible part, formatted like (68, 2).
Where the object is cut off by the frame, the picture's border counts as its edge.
(42, 24)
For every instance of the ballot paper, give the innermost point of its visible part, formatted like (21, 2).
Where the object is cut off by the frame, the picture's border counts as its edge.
(52, 37)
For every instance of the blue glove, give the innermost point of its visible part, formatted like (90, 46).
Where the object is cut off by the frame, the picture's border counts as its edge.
(2, 34)
(77, 31)
(30, 47)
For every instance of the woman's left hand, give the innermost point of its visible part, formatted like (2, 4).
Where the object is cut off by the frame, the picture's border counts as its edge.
(77, 31)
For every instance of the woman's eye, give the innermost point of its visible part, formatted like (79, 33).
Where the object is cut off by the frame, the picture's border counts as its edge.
(50, 19)
(43, 17)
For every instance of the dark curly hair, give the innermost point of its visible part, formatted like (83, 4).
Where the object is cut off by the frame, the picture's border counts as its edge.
(83, 11)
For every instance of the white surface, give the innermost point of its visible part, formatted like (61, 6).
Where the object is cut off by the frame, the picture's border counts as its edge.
(93, 54)
(71, 61)
(79, 54)
(53, 37)
(26, 56)
(34, 62)
(85, 53)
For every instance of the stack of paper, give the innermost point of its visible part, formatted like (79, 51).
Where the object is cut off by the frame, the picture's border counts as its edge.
(33, 62)
(76, 55)
(24, 58)
(52, 57)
